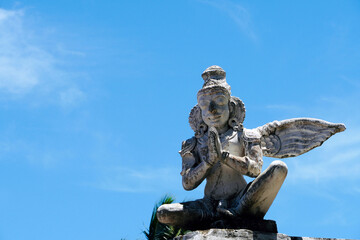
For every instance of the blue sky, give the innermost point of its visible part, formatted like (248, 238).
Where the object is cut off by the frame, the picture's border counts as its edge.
(95, 96)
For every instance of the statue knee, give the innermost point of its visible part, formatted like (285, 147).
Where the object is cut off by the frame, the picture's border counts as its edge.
(166, 213)
(279, 167)
(162, 213)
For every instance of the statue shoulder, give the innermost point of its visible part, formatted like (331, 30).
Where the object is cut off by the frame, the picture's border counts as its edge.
(251, 136)
(187, 146)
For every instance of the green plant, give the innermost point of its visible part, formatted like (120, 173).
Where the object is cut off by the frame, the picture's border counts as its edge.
(160, 231)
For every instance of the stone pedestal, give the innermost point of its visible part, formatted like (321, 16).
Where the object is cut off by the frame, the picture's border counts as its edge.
(241, 234)
(239, 223)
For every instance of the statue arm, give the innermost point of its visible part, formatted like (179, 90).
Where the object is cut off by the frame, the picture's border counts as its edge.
(193, 174)
(249, 165)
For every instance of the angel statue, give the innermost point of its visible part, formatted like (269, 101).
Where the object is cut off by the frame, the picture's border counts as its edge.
(222, 151)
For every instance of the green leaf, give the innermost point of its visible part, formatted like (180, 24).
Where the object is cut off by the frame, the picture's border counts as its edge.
(160, 231)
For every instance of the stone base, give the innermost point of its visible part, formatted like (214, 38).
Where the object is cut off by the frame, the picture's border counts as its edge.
(250, 224)
(241, 234)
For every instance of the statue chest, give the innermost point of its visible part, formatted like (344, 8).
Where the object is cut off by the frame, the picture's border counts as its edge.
(230, 142)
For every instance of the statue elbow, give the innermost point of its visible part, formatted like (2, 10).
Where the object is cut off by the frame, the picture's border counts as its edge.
(254, 173)
(257, 172)
(187, 186)
(254, 169)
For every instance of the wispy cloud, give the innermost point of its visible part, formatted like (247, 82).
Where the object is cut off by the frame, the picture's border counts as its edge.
(27, 67)
(141, 179)
(62, 50)
(347, 101)
(21, 63)
(353, 82)
(35, 154)
(71, 96)
(237, 13)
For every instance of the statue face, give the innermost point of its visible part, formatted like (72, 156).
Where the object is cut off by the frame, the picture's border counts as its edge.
(214, 108)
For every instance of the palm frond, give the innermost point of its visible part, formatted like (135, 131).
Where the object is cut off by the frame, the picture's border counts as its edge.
(160, 231)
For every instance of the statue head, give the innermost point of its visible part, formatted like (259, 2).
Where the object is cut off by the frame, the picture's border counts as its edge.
(216, 107)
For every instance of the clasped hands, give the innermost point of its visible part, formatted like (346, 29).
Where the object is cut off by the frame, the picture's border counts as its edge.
(214, 146)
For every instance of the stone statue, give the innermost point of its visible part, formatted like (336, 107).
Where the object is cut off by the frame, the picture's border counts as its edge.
(222, 151)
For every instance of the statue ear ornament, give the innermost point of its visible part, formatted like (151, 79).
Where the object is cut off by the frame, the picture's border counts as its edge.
(202, 130)
(196, 122)
(237, 113)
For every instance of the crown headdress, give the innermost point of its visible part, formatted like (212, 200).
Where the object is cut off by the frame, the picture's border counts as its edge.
(214, 78)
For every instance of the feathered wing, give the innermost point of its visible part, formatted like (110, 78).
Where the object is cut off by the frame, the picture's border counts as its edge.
(293, 137)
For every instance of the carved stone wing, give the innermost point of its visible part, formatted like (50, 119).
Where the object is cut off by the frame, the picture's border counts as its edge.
(293, 137)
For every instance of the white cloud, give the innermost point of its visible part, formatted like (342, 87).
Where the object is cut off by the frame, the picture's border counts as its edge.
(237, 13)
(21, 62)
(27, 67)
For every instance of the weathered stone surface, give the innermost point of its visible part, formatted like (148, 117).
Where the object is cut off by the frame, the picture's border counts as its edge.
(241, 234)
(250, 224)
(222, 151)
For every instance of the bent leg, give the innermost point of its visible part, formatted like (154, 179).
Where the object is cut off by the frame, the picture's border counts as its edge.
(186, 214)
(256, 201)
